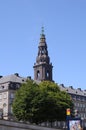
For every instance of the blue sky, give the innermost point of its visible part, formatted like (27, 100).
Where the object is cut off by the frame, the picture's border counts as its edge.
(65, 29)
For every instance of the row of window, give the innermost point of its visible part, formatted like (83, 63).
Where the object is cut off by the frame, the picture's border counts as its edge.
(79, 98)
(4, 95)
(14, 86)
(81, 109)
(82, 115)
(11, 86)
(38, 74)
(80, 105)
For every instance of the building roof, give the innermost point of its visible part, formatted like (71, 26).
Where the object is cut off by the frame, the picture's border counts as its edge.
(12, 78)
(17, 79)
(71, 90)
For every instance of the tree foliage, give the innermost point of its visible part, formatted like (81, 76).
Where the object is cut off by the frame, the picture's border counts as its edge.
(39, 103)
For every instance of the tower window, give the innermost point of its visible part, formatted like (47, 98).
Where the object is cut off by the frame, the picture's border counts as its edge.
(47, 74)
(38, 74)
(42, 51)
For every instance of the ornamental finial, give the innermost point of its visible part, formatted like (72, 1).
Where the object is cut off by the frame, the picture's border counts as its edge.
(42, 35)
(42, 30)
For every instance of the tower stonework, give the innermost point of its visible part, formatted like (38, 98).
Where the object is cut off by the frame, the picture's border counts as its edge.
(42, 67)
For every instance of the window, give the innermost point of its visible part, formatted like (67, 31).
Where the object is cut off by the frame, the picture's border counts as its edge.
(17, 85)
(47, 74)
(38, 74)
(4, 109)
(2, 87)
(0, 96)
(42, 51)
(11, 110)
(5, 95)
(78, 104)
(75, 104)
(12, 95)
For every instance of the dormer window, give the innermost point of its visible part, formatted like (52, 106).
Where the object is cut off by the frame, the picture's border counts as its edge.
(2, 87)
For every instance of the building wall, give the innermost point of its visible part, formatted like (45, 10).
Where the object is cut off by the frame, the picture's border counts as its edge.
(9, 125)
(79, 99)
(8, 89)
(8, 86)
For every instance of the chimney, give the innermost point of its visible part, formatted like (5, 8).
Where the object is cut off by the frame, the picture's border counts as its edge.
(16, 74)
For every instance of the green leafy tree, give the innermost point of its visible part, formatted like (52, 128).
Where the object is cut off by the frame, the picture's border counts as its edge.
(40, 103)
(22, 105)
(55, 100)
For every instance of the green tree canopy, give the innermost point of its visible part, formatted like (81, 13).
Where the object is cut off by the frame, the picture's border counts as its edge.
(39, 103)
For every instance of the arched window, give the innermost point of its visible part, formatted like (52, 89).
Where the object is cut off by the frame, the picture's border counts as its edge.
(43, 51)
(11, 110)
(38, 74)
(47, 74)
(4, 109)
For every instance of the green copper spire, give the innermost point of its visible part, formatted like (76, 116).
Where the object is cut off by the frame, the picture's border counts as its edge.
(42, 30)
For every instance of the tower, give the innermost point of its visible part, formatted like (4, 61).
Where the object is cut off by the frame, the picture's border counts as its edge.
(42, 67)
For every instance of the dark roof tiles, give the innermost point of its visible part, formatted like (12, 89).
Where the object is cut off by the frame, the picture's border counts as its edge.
(12, 78)
(71, 90)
